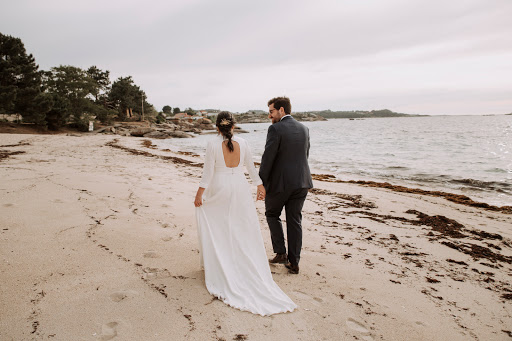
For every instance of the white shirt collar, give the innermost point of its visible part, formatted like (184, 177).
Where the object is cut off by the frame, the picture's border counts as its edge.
(287, 115)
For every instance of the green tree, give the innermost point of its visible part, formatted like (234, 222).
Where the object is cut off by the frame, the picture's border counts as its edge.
(160, 118)
(167, 109)
(124, 95)
(102, 79)
(20, 82)
(176, 110)
(190, 111)
(104, 110)
(72, 90)
(130, 100)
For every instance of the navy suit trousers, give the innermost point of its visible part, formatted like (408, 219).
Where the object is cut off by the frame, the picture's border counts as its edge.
(292, 201)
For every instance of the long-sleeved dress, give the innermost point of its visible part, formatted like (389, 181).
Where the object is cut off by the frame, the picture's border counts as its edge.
(235, 264)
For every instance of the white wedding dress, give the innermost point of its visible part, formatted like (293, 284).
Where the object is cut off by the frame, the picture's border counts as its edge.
(236, 268)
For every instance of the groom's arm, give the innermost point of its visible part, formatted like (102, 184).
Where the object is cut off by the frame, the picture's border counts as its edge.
(269, 155)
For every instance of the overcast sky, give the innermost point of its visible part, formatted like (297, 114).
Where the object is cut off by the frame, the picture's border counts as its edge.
(413, 56)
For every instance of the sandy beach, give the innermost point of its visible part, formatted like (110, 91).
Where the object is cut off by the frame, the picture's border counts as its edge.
(98, 242)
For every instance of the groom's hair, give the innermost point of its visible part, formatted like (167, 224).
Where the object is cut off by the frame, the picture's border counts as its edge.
(281, 102)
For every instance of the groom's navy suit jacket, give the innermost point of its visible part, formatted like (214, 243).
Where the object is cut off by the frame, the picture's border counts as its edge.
(284, 164)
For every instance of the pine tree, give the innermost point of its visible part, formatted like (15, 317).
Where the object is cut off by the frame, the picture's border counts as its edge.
(20, 82)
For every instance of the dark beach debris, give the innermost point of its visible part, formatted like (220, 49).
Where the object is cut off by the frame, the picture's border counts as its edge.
(185, 153)
(432, 280)
(456, 198)
(396, 282)
(214, 298)
(486, 235)
(190, 322)
(446, 226)
(241, 337)
(20, 144)
(456, 262)
(148, 144)
(325, 178)
(4, 154)
(383, 217)
(496, 247)
(393, 237)
(428, 293)
(369, 263)
(356, 200)
(487, 273)
(35, 325)
(507, 296)
(449, 228)
(477, 251)
(508, 332)
(160, 290)
(408, 253)
(173, 159)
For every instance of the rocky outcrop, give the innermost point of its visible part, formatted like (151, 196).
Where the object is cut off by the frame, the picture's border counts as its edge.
(140, 132)
(178, 128)
(165, 134)
(263, 118)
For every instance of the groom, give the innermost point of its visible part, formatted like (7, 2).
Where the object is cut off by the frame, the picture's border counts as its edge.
(285, 173)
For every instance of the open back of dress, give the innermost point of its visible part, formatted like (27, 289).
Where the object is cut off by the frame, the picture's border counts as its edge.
(232, 250)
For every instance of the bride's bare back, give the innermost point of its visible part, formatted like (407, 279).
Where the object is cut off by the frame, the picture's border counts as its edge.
(231, 159)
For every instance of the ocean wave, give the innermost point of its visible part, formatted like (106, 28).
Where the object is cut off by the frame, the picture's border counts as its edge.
(482, 184)
(497, 170)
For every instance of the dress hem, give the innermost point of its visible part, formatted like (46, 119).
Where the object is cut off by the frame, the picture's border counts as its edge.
(241, 308)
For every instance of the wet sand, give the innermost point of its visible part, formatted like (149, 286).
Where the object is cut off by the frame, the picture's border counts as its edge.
(98, 242)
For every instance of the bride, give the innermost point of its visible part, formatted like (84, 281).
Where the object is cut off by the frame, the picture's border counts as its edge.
(235, 264)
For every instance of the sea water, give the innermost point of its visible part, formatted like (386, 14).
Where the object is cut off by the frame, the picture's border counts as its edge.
(470, 155)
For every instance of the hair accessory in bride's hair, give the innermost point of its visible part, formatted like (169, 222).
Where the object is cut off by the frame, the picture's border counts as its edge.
(225, 122)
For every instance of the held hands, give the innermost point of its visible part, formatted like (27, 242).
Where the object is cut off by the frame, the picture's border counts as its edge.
(261, 193)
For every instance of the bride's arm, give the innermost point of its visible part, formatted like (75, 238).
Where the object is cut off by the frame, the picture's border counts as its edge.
(208, 168)
(249, 164)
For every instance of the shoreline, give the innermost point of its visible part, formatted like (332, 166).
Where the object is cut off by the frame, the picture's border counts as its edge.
(99, 241)
(456, 198)
(322, 175)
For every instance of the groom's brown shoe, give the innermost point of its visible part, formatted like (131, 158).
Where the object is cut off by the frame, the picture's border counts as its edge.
(292, 269)
(280, 258)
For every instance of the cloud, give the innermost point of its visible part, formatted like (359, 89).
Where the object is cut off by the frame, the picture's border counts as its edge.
(325, 54)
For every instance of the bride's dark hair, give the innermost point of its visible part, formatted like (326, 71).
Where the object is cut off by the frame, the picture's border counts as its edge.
(226, 121)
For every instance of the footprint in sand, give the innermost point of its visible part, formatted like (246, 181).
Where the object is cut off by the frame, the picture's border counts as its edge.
(118, 296)
(153, 273)
(151, 254)
(109, 331)
(8, 205)
(167, 239)
(359, 327)
(307, 297)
